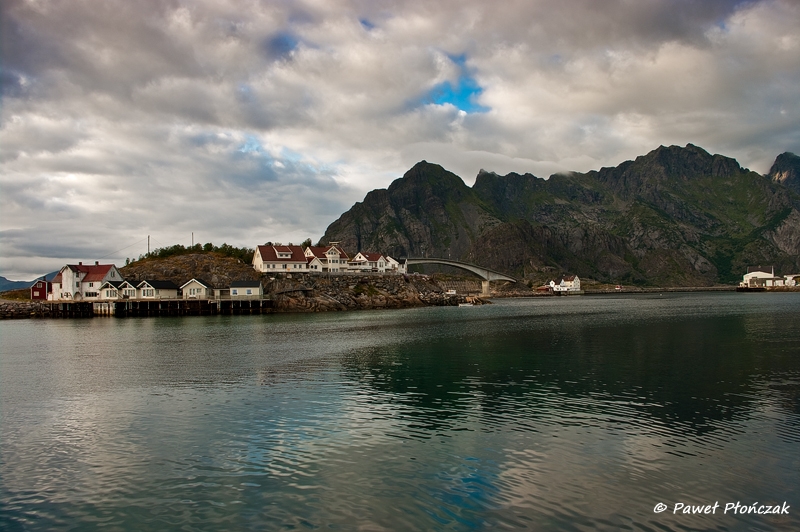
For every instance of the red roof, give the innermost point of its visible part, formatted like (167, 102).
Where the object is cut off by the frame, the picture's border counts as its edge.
(764, 269)
(372, 257)
(270, 253)
(319, 251)
(94, 272)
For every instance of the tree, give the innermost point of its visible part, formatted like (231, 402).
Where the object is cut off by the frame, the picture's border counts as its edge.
(306, 243)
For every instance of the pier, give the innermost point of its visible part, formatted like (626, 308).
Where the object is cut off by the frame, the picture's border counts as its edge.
(133, 308)
(182, 307)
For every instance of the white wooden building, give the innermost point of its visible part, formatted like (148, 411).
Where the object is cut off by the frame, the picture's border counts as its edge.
(246, 290)
(79, 282)
(197, 289)
(569, 283)
(280, 259)
(330, 258)
(156, 289)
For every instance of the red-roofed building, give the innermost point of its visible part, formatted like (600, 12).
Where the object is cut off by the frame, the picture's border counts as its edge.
(40, 289)
(80, 282)
(368, 262)
(280, 259)
(570, 283)
(331, 258)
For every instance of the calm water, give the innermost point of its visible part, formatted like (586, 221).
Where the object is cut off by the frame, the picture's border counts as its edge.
(548, 414)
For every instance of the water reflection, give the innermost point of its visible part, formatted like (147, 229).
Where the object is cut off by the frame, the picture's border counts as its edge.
(688, 373)
(567, 415)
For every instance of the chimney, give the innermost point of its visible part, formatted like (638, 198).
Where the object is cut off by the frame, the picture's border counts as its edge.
(80, 264)
(97, 263)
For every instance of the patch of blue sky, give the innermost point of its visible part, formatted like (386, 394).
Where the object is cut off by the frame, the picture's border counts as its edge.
(460, 60)
(463, 95)
(366, 24)
(281, 45)
(251, 146)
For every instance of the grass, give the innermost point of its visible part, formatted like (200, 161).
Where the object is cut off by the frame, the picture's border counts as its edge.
(23, 294)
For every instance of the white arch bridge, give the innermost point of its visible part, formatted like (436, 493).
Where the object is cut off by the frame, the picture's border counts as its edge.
(484, 273)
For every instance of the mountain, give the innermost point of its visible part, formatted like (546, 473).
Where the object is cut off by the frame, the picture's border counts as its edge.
(6, 285)
(677, 216)
(786, 171)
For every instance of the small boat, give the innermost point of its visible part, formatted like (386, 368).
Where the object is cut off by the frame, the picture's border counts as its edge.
(466, 305)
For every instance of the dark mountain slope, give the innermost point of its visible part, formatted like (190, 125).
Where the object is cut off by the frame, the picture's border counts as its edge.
(676, 216)
(427, 211)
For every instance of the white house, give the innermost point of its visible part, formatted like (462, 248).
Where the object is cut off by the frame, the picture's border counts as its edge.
(280, 259)
(197, 289)
(314, 265)
(79, 282)
(570, 283)
(760, 277)
(331, 258)
(157, 289)
(394, 266)
(127, 290)
(246, 289)
(110, 290)
(367, 262)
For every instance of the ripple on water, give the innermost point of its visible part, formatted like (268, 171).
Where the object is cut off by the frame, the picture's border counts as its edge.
(407, 420)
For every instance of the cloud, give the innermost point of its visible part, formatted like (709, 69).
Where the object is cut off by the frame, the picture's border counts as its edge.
(247, 121)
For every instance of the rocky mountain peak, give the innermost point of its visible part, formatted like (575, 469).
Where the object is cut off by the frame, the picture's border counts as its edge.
(687, 162)
(786, 171)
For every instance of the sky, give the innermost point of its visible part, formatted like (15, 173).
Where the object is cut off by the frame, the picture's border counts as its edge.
(251, 121)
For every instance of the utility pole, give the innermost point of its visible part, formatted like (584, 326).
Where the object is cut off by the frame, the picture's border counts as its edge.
(192, 238)
(148, 244)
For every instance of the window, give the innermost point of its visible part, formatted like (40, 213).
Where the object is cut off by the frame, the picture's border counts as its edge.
(234, 292)
(112, 273)
(91, 285)
(35, 293)
(249, 292)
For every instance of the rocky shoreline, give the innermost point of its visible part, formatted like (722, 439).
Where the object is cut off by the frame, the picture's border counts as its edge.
(24, 309)
(312, 293)
(326, 293)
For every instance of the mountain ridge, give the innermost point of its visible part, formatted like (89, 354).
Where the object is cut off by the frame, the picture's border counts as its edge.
(675, 216)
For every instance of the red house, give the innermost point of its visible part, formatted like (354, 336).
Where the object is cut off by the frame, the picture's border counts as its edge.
(40, 289)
